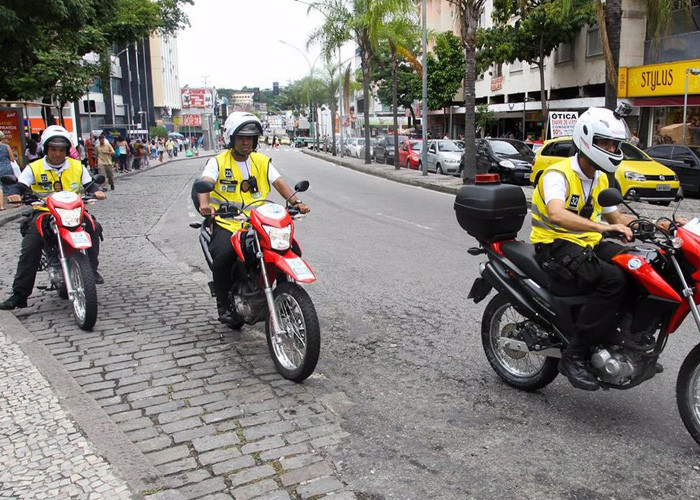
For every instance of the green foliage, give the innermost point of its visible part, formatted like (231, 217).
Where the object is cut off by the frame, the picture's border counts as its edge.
(541, 27)
(43, 42)
(445, 70)
(409, 86)
(160, 131)
(484, 117)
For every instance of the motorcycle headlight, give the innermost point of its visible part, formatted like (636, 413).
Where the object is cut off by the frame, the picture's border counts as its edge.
(280, 237)
(634, 176)
(506, 164)
(70, 218)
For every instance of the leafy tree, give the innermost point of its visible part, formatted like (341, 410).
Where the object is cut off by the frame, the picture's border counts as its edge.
(408, 77)
(541, 26)
(445, 70)
(160, 131)
(43, 43)
(484, 118)
(467, 14)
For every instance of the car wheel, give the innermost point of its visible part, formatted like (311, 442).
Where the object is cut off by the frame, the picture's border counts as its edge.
(438, 169)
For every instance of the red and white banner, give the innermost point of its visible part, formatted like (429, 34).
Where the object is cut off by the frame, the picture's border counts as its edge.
(192, 120)
(197, 98)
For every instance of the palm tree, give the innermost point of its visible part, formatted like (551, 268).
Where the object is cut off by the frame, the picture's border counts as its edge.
(609, 16)
(400, 31)
(468, 13)
(362, 24)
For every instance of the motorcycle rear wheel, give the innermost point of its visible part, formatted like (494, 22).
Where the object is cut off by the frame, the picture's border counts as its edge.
(526, 371)
(688, 393)
(84, 301)
(296, 355)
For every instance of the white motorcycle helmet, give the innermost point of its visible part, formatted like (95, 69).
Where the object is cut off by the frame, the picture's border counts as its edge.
(242, 123)
(600, 123)
(56, 136)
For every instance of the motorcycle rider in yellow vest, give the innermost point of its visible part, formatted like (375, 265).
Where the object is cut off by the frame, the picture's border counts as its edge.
(241, 176)
(567, 231)
(54, 172)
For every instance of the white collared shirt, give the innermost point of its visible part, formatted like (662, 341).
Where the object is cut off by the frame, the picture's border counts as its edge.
(554, 184)
(27, 175)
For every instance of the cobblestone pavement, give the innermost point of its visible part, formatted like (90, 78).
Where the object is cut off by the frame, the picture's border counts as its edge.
(203, 403)
(42, 453)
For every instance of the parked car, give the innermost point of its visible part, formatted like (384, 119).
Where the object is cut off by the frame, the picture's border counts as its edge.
(459, 143)
(510, 158)
(385, 149)
(639, 176)
(356, 147)
(409, 153)
(443, 157)
(350, 143)
(683, 160)
(284, 140)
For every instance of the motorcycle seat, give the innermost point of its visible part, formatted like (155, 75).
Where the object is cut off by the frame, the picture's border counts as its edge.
(523, 255)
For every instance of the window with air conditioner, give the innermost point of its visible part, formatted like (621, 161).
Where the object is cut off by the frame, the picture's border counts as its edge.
(564, 53)
(594, 47)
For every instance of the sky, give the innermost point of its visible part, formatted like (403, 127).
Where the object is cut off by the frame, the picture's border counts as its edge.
(235, 43)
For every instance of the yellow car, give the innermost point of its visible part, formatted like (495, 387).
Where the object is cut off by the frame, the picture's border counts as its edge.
(285, 141)
(639, 177)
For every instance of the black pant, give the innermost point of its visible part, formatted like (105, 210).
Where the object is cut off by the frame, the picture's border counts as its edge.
(590, 272)
(30, 254)
(224, 258)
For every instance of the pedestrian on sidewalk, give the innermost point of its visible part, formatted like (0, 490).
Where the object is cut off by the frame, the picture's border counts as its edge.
(169, 147)
(105, 152)
(138, 154)
(161, 149)
(6, 160)
(122, 153)
(31, 152)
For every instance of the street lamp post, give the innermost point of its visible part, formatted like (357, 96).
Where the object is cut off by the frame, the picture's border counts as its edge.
(424, 151)
(688, 71)
(308, 93)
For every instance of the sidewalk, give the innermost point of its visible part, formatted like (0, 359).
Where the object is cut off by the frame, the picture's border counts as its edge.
(437, 182)
(13, 213)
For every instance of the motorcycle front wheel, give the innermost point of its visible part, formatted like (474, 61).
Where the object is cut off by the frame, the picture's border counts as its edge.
(84, 300)
(296, 351)
(688, 393)
(527, 371)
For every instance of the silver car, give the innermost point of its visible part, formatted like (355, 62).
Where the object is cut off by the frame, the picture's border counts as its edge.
(444, 156)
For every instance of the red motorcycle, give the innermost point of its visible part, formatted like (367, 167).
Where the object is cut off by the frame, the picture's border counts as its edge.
(525, 326)
(65, 249)
(266, 280)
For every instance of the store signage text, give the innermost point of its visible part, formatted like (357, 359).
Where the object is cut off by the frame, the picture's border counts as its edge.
(657, 80)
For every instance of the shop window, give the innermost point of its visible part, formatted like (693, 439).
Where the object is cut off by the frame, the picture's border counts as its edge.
(96, 85)
(563, 53)
(516, 66)
(594, 46)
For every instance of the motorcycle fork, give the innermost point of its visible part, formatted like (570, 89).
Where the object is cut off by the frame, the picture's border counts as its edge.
(277, 330)
(687, 292)
(64, 264)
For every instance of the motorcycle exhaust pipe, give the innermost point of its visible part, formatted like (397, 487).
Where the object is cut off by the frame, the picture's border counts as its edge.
(499, 279)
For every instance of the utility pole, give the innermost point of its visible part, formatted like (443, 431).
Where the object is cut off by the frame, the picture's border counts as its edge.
(424, 151)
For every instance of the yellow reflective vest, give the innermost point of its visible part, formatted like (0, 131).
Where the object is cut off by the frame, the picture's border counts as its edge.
(48, 181)
(228, 185)
(544, 230)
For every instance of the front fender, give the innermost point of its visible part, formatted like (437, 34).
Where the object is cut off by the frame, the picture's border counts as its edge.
(291, 264)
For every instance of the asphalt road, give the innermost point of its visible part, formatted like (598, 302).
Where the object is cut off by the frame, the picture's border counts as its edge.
(402, 363)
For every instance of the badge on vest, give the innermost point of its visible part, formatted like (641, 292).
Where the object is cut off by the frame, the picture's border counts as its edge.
(573, 202)
(228, 173)
(44, 178)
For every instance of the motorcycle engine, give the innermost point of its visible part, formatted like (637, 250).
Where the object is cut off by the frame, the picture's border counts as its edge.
(55, 275)
(613, 367)
(250, 304)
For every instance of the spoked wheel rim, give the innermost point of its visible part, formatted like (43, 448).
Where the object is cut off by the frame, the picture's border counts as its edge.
(291, 350)
(79, 301)
(693, 395)
(517, 363)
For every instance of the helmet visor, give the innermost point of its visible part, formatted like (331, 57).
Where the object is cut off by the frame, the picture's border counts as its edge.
(249, 129)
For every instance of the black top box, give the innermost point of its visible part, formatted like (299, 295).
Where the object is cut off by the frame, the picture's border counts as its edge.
(491, 211)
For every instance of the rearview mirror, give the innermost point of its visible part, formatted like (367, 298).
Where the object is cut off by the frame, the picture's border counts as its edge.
(610, 197)
(301, 186)
(8, 180)
(679, 194)
(203, 187)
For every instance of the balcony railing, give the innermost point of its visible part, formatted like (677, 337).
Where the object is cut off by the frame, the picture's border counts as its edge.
(672, 48)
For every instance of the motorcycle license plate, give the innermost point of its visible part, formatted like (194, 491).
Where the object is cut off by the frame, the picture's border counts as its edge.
(300, 268)
(663, 187)
(80, 239)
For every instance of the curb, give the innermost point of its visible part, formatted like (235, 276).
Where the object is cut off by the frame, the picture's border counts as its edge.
(385, 175)
(110, 442)
(19, 212)
(397, 178)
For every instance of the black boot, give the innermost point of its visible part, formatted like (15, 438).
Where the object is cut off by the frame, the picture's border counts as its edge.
(227, 316)
(574, 366)
(15, 301)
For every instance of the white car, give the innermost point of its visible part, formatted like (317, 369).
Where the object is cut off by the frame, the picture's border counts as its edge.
(444, 156)
(350, 143)
(356, 148)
